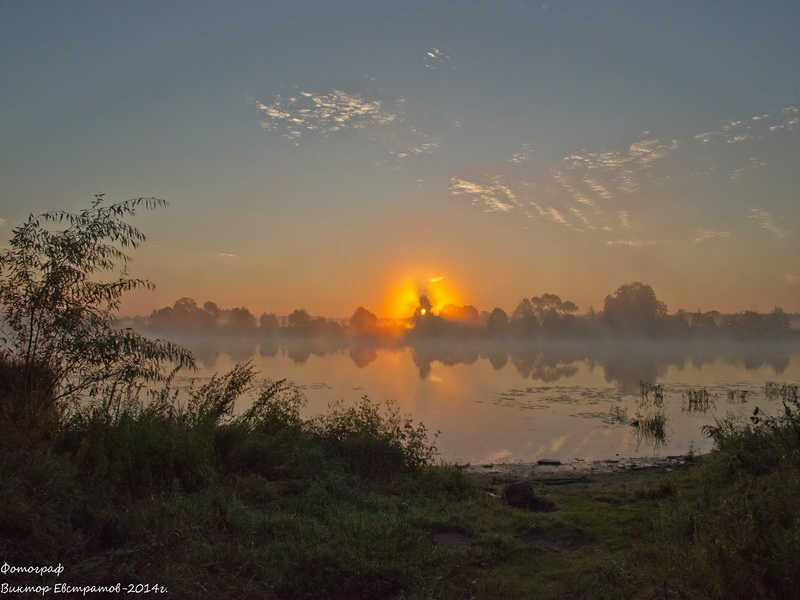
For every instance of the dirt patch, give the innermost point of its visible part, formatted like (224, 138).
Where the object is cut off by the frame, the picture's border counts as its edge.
(454, 542)
(553, 544)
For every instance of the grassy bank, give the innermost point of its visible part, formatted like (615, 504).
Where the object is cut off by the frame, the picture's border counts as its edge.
(179, 492)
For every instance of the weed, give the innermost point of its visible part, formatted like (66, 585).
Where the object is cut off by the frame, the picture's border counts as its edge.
(740, 396)
(651, 394)
(619, 414)
(697, 401)
(650, 422)
(651, 427)
(781, 391)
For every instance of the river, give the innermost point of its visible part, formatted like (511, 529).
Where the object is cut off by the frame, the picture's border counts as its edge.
(506, 402)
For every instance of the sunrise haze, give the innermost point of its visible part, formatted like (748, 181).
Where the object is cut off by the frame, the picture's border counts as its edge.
(330, 155)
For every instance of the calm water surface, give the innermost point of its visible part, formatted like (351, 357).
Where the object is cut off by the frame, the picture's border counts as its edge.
(503, 403)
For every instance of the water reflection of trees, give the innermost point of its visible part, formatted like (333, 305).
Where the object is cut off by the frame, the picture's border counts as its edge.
(624, 363)
(363, 353)
(542, 365)
(425, 353)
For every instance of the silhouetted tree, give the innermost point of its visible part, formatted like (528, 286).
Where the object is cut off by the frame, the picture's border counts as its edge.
(424, 321)
(239, 320)
(320, 326)
(553, 314)
(633, 307)
(268, 323)
(676, 324)
(60, 333)
(186, 315)
(702, 322)
(213, 311)
(750, 324)
(299, 319)
(465, 315)
(777, 322)
(424, 308)
(497, 321)
(547, 314)
(523, 319)
(363, 321)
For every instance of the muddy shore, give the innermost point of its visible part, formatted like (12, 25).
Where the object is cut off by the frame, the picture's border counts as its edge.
(549, 469)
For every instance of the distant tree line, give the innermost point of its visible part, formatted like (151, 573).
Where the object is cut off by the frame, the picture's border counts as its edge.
(632, 310)
(188, 317)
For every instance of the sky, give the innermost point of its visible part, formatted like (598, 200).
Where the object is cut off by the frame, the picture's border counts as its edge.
(329, 155)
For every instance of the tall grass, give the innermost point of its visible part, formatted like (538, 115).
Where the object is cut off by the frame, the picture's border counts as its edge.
(736, 534)
(179, 488)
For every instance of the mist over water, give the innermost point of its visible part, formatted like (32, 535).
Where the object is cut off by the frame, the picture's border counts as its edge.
(503, 401)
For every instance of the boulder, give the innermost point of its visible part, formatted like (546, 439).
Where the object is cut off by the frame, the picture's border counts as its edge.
(520, 494)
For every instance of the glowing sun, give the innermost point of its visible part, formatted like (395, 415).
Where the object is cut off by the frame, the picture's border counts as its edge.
(403, 300)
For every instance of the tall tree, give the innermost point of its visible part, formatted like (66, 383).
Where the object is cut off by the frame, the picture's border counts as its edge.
(363, 321)
(633, 307)
(299, 319)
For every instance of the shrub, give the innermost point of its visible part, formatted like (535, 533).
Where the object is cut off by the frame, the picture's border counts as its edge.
(372, 443)
(60, 336)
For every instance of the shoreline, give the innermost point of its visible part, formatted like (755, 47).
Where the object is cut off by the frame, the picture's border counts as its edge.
(574, 469)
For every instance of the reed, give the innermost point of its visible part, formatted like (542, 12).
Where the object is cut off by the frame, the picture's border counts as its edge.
(698, 401)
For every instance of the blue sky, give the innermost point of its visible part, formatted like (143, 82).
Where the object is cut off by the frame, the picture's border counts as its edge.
(327, 155)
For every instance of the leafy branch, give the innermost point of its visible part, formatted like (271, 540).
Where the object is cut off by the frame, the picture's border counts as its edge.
(60, 335)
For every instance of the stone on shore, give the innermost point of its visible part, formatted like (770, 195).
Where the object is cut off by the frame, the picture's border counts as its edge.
(520, 494)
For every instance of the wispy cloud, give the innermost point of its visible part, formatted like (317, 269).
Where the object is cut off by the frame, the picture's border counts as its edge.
(756, 127)
(590, 186)
(598, 188)
(764, 220)
(581, 217)
(616, 171)
(790, 119)
(638, 243)
(753, 162)
(223, 255)
(435, 58)
(493, 195)
(625, 196)
(703, 235)
(523, 155)
(326, 114)
(552, 214)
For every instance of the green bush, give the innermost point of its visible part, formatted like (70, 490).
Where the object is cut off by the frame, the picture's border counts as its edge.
(372, 443)
(737, 534)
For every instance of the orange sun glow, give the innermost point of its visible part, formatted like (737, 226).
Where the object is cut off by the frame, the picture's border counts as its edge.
(403, 300)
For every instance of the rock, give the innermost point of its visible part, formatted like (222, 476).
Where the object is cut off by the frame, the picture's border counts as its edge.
(520, 494)
(553, 462)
